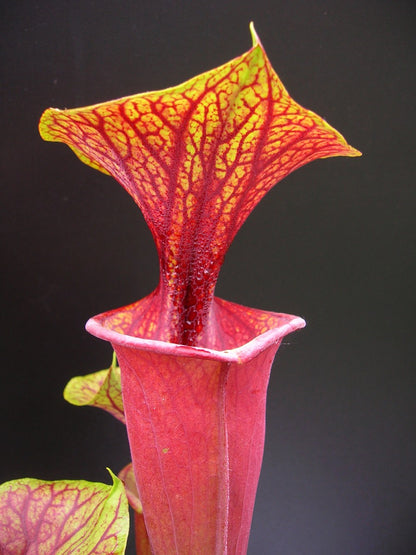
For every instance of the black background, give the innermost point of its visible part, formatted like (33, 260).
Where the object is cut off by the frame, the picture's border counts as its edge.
(334, 243)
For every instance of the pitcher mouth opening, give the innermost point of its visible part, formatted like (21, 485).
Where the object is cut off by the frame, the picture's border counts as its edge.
(252, 331)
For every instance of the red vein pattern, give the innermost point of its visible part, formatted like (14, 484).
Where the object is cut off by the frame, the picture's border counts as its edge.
(197, 158)
(62, 517)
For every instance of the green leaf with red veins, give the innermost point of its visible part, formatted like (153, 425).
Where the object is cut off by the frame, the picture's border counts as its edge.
(63, 517)
(100, 389)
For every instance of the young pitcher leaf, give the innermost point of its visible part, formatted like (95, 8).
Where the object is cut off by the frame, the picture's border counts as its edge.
(126, 475)
(63, 517)
(100, 389)
(197, 158)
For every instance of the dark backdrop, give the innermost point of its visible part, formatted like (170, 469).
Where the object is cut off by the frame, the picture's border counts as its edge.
(333, 243)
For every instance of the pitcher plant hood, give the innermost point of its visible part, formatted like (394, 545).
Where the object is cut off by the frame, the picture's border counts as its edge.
(197, 158)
